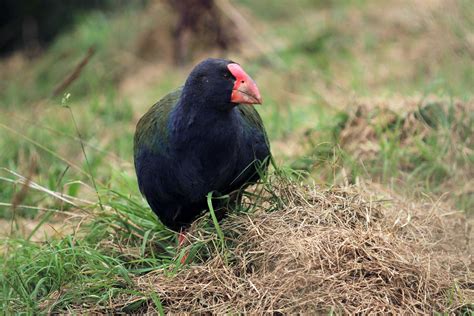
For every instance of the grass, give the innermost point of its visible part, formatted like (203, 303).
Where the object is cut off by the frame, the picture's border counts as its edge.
(333, 58)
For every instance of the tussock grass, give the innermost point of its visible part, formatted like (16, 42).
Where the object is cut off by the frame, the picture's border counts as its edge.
(351, 249)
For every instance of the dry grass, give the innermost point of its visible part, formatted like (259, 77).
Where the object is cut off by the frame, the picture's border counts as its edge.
(429, 131)
(346, 249)
(413, 118)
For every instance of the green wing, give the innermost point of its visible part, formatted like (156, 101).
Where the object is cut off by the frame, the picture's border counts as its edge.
(152, 129)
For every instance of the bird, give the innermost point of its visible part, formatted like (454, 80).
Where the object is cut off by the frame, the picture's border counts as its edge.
(205, 136)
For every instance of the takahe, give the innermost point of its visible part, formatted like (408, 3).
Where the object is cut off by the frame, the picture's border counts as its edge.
(200, 138)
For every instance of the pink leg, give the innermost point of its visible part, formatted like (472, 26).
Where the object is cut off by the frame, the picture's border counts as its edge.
(181, 241)
(181, 238)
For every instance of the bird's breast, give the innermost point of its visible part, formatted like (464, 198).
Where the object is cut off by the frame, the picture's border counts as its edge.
(208, 148)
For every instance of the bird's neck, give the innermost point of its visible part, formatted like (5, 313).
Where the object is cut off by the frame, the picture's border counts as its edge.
(194, 125)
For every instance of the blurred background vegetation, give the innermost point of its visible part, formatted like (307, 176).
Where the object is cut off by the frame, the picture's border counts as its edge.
(353, 90)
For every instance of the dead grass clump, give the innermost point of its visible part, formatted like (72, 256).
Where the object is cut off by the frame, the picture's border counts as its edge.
(406, 122)
(430, 138)
(342, 249)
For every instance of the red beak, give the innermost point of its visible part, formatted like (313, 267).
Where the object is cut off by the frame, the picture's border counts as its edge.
(245, 90)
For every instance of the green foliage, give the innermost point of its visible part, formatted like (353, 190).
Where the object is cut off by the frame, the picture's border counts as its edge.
(34, 274)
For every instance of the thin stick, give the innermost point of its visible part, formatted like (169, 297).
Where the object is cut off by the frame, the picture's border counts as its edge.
(75, 73)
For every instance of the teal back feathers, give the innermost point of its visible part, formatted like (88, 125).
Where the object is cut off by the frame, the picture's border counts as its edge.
(152, 129)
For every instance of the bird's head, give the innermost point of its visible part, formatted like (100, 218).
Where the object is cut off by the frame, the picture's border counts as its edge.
(221, 83)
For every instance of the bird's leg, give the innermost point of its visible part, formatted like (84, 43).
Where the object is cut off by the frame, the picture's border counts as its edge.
(181, 241)
(181, 238)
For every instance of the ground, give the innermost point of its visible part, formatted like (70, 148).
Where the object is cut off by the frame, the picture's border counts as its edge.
(369, 110)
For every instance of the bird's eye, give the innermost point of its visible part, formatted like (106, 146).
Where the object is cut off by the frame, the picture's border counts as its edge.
(226, 75)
